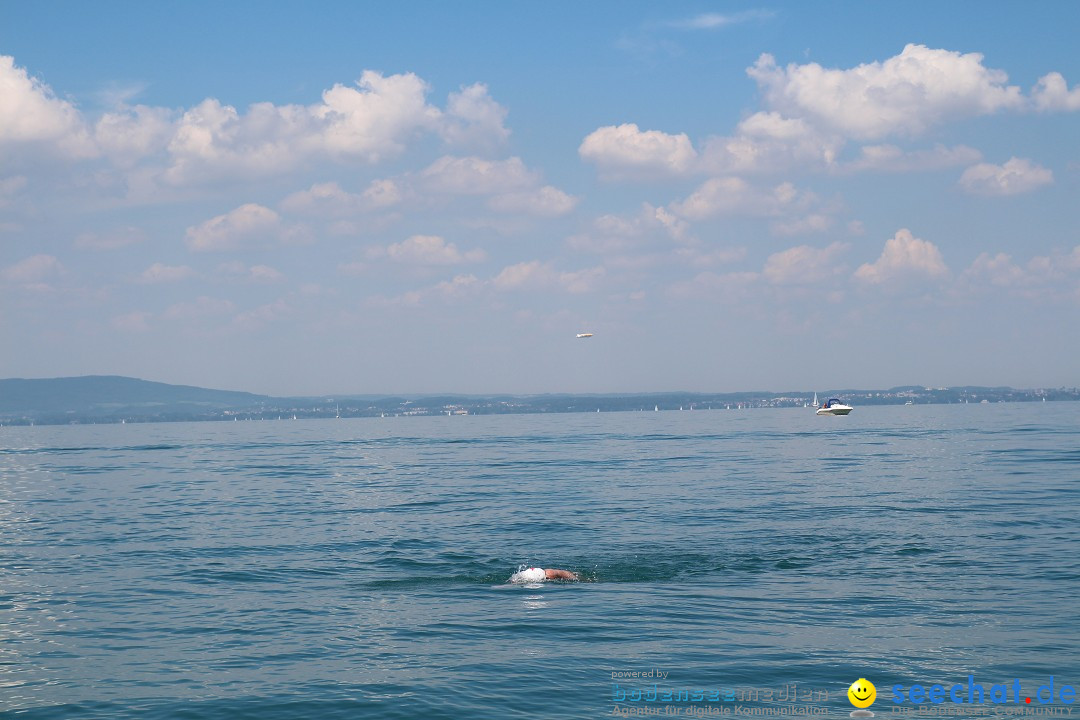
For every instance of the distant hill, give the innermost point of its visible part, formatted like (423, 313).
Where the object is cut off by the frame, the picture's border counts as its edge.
(113, 399)
(111, 396)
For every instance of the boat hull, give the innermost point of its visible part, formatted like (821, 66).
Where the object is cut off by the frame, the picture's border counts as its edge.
(842, 410)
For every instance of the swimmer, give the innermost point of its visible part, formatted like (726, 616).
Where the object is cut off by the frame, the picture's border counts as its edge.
(533, 575)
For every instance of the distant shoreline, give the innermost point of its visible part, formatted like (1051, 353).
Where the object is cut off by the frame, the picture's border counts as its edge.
(113, 400)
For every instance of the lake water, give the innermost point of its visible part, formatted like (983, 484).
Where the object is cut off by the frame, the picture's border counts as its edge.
(357, 568)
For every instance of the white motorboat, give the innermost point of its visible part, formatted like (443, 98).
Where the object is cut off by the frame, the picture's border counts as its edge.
(832, 406)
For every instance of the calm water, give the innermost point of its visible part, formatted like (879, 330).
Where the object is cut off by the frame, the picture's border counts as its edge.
(356, 568)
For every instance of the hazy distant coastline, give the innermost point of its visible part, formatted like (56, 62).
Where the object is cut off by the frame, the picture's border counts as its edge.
(114, 399)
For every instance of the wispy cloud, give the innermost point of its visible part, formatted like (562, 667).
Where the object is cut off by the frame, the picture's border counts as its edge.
(712, 21)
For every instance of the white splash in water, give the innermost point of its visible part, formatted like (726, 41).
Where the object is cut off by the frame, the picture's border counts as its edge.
(528, 575)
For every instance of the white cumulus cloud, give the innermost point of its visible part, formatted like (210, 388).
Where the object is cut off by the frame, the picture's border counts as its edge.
(369, 121)
(476, 176)
(430, 250)
(904, 256)
(811, 112)
(474, 119)
(536, 275)
(547, 201)
(212, 139)
(998, 270)
(30, 112)
(1015, 177)
(617, 233)
(330, 200)
(374, 118)
(132, 133)
(1053, 93)
(33, 271)
(735, 196)
(522, 275)
(906, 94)
(627, 150)
(248, 224)
(381, 194)
(768, 141)
(804, 264)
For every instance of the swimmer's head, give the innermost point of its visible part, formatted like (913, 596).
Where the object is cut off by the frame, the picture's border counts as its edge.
(529, 575)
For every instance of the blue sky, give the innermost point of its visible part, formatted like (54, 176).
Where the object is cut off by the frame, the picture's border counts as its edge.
(437, 197)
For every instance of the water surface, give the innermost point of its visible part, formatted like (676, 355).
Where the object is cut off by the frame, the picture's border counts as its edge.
(357, 568)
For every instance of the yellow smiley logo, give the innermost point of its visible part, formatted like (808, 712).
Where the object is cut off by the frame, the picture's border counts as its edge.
(862, 693)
